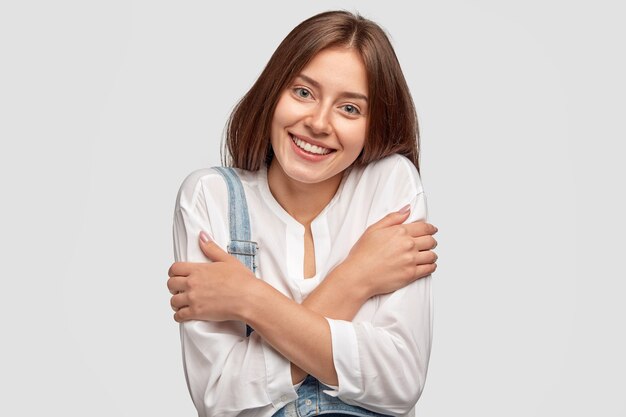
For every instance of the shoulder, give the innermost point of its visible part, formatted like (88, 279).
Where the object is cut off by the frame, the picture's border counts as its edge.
(394, 171)
(192, 187)
(208, 184)
(383, 186)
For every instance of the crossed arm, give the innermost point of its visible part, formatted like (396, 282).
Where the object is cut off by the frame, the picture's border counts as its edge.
(389, 256)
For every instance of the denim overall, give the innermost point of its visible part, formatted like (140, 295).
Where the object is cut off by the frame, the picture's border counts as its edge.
(312, 400)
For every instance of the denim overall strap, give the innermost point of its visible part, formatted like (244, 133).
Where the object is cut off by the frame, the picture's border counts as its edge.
(241, 246)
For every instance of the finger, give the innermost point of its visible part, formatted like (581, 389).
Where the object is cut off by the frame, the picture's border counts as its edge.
(392, 219)
(425, 242)
(426, 257)
(211, 250)
(182, 314)
(180, 268)
(417, 229)
(177, 284)
(422, 271)
(179, 301)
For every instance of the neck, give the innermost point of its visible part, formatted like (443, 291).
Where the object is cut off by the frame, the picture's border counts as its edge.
(304, 202)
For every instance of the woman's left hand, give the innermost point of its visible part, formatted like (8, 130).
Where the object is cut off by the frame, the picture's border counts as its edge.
(209, 291)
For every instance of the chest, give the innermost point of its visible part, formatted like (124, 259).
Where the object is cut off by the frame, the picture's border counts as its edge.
(294, 258)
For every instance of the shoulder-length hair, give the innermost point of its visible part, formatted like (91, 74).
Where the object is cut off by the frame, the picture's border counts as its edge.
(392, 120)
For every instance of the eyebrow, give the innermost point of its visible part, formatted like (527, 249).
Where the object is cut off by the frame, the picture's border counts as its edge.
(347, 94)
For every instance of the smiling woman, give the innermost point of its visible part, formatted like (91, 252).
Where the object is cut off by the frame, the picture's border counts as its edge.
(323, 152)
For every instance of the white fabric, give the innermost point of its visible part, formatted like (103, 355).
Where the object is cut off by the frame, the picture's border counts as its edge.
(381, 357)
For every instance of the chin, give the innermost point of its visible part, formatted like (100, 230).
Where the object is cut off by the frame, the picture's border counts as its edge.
(305, 176)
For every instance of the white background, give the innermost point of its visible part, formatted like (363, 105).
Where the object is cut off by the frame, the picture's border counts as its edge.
(106, 106)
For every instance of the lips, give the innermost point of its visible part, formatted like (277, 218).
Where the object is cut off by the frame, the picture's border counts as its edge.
(309, 147)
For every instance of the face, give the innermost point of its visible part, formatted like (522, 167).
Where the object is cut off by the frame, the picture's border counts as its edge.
(320, 122)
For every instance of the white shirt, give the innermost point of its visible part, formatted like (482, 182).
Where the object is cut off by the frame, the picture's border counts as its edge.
(381, 357)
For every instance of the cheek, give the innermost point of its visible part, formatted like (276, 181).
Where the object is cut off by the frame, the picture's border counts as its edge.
(355, 137)
(284, 111)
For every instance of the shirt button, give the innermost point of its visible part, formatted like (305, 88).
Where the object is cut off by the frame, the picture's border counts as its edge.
(283, 398)
(308, 402)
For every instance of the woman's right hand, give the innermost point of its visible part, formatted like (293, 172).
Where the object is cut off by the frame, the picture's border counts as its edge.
(390, 255)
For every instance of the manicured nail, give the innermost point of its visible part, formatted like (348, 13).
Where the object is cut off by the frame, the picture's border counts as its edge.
(205, 237)
(405, 209)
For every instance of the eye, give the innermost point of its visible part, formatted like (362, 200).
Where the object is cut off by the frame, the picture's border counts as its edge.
(350, 109)
(302, 92)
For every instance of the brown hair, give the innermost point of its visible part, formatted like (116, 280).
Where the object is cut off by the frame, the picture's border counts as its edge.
(392, 120)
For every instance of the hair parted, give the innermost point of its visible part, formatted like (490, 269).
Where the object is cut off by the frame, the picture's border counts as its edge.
(392, 120)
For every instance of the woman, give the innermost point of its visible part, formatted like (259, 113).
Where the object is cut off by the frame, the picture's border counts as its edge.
(325, 145)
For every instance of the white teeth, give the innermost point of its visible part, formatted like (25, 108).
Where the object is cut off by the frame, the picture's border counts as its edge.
(318, 150)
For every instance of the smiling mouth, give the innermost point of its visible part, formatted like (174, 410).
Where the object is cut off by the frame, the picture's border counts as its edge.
(307, 147)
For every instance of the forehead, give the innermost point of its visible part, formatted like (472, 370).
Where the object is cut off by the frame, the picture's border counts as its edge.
(341, 68)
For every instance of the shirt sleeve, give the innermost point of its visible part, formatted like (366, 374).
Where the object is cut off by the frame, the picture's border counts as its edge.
(227, 373)
(382, 364)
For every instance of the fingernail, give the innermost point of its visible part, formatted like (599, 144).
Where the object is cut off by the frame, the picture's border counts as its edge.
(405, 209)
(205, 237)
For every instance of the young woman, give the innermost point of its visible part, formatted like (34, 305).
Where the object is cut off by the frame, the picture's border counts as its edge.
(325, 144)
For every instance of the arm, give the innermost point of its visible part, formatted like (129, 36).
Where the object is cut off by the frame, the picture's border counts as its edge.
(394, 346)
(286, 307)
(380, 364)
(226, 372)
(344, 291)
(382, 361)
(226, 290)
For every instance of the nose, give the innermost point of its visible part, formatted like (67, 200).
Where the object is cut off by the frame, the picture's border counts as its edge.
(318, 120)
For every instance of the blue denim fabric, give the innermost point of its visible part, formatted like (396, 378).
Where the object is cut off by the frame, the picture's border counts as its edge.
(238, 220)
(240, 246)
(312, 401)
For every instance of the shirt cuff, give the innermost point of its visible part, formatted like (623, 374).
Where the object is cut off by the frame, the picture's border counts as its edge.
(345, 358)
(279, 384)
